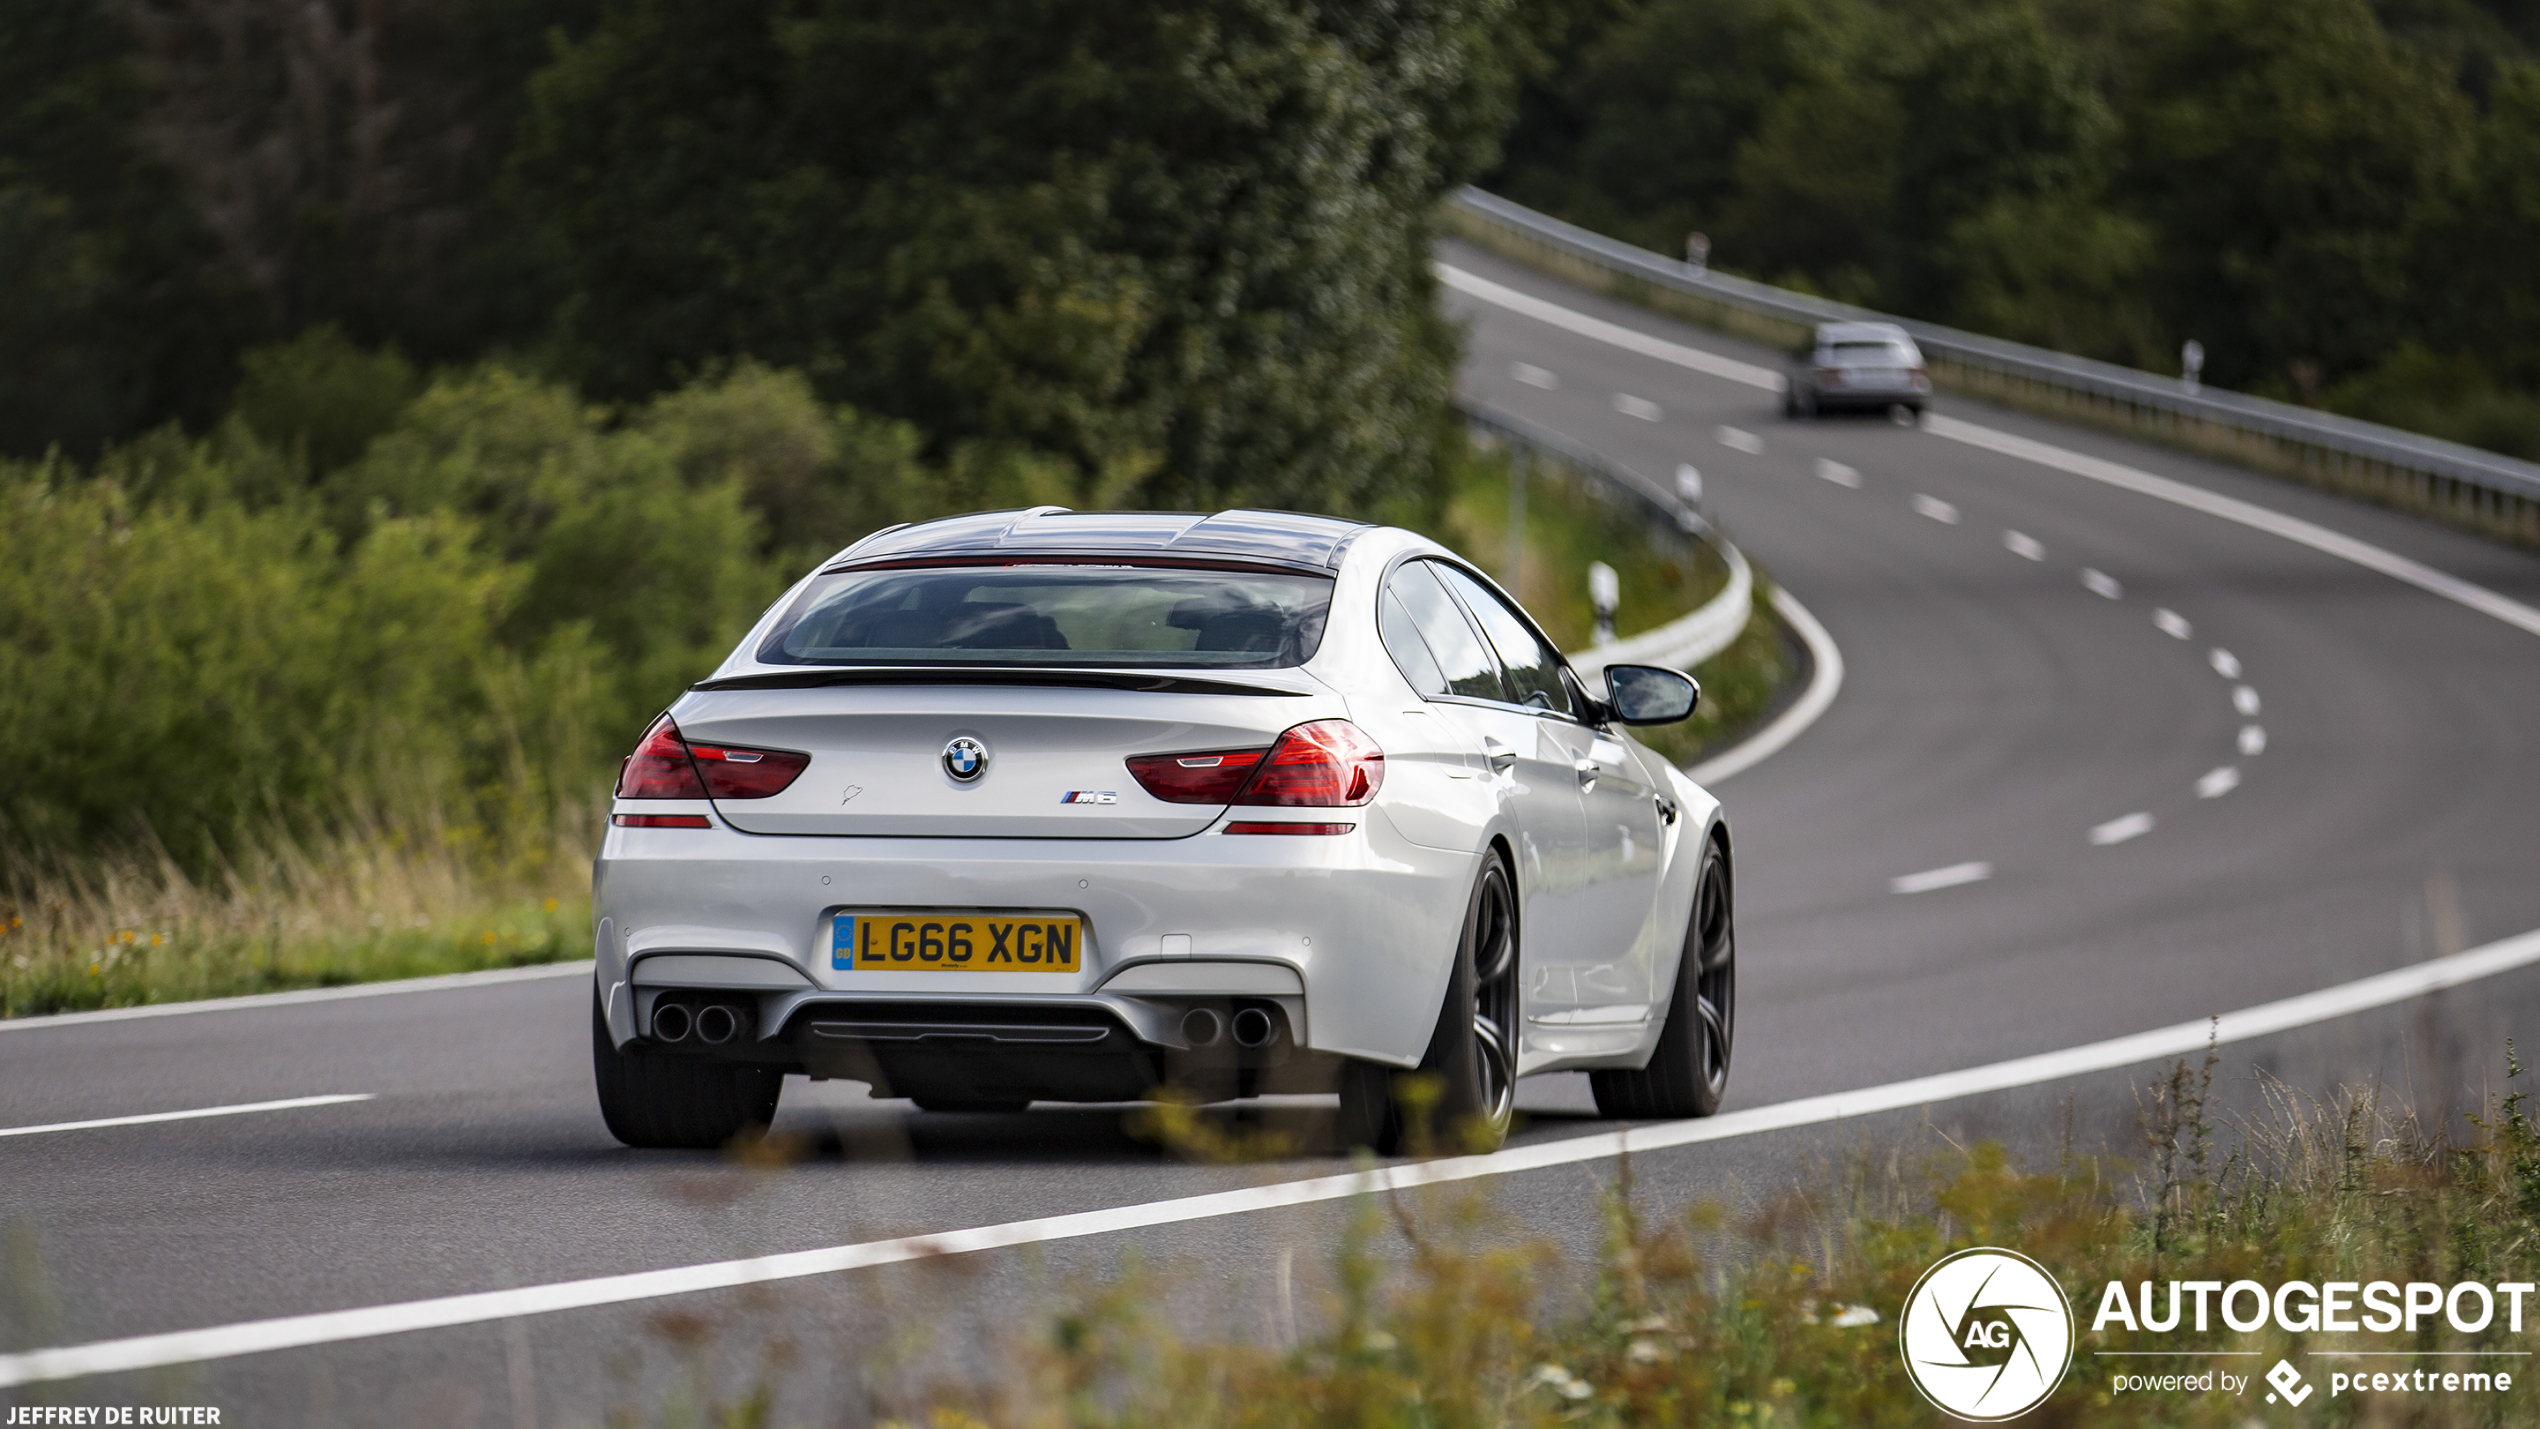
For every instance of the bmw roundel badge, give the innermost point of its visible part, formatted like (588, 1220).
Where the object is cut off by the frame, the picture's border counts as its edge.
(965, 759)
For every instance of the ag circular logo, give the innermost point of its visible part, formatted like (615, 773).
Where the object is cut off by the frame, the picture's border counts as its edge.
(1987, 1334)
(965, 759)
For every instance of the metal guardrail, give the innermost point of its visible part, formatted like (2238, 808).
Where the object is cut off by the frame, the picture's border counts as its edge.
(1689, 639)
(2488, 488)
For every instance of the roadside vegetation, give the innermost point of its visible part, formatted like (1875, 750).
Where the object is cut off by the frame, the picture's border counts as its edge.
(335, 692)
(1440, 1307)
(2336, 199)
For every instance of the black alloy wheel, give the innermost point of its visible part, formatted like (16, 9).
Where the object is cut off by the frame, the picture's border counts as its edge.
(1469, 1073)
(1689, 1073)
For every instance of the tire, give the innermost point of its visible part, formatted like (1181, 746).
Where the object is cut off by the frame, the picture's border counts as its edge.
(689, 1102)
(1689, 1072)
(1472, 1055)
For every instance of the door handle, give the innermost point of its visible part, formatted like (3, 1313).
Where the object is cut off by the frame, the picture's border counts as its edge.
(1587, 772)
(1501, 757)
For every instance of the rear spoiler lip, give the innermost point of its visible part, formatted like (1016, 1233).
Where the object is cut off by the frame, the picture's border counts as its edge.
(1145, 681)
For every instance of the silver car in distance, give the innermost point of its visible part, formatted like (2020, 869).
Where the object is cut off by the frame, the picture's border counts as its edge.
(1042, 805)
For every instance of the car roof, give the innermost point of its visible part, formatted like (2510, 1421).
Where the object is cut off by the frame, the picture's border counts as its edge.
(1861, 332)
(1281, 537)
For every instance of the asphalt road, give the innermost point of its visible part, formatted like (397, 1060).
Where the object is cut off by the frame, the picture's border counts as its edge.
(1997, 711)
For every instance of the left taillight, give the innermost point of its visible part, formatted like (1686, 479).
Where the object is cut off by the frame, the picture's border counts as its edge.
(665, 766)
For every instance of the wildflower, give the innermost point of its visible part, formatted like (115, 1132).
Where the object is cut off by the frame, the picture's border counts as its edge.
(1561, 1382)
(1648, 1352)
(1852, 1317)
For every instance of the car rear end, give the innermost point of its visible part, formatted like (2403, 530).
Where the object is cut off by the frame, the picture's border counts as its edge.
(983, 821)
(1861, 366)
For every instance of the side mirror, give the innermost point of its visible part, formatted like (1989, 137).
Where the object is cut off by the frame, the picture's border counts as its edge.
(1649, 694)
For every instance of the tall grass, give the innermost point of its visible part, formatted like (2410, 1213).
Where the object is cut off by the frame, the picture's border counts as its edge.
(358, 905)
(1449, 1308)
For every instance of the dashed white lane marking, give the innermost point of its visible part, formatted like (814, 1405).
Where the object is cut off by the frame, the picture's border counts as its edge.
(1949, 877)
(1937, 509)
(1641, 407)
(2291, 528)
(193, 1114)
(2026, 546)
(2108, 473)
(2245, 700)
(2253, 739)
(1534, 376)
(1838, 473)
(2117, 831)
(2102, 583)
(2173, 624)
(2218, 782)
(2224, 662)
(1739, 439)
(2180, 1039)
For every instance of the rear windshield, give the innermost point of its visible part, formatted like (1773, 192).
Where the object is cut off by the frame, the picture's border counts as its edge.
(1075, 615)
(1872, 354)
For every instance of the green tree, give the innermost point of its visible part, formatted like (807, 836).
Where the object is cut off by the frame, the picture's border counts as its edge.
(1181, 247)
(2286, 154)
(112, 316)
(1996, 110)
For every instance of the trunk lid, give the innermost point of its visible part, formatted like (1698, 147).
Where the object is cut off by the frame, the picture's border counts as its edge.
(878, 766)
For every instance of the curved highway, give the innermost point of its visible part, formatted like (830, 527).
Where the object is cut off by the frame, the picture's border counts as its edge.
(2104, 760)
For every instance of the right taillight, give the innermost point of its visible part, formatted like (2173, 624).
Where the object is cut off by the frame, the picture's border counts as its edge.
(666, 766)
(1329, 763)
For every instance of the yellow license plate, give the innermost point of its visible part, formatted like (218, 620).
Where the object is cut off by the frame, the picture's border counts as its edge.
(936, 941)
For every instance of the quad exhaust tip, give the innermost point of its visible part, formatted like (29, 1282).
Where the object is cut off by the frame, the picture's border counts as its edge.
(1254, 1027)
(672, 1022)
(716, 1024)
(1201, 1027)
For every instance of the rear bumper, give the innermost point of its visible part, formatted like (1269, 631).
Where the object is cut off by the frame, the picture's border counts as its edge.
(1349, 937)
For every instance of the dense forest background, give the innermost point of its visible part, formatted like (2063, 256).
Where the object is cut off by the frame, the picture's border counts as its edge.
(2339, 199)
(401, 399)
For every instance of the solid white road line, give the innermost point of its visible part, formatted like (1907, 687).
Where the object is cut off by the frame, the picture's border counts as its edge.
(2244, 699)
(1823, 684)
(1838, 473)
(492, 977)
(2117, 831)
(2099, 469)
(2179, 493)
(2218, 782)
(2224, 662)
(1534, 376)
(1641, 407)
(146, 1118)
(1691, 358)
(1739, 439)
(2102, 583)
(2253, 739)
(2025, 546)
(2180, 1039)
(1935, 508)
(2172, 624)
(1949, 877)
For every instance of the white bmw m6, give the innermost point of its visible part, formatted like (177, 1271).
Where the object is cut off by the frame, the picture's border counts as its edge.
(1042, 805)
